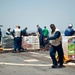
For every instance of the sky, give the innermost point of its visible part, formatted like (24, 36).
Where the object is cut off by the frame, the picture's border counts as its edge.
(29, 13)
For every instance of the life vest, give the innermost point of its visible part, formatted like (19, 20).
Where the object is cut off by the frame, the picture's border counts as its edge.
(17, 32)
(58, 40)
(8, 33)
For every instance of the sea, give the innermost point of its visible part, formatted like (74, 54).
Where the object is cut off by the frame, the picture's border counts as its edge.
(4, 32)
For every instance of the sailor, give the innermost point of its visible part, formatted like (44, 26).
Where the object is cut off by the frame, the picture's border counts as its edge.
(17, 33)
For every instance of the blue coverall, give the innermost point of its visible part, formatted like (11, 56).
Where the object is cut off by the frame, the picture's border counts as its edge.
(41, 37)
(69, 32)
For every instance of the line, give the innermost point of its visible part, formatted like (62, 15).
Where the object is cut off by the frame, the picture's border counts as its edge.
(17, 64)
(70, 64)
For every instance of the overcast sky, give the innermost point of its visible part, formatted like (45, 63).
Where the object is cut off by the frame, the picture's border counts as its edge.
(29, 13)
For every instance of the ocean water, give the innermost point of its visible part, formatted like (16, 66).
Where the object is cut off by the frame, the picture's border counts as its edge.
(4, 32)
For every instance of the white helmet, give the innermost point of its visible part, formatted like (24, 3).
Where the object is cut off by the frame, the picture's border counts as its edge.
(70, 25)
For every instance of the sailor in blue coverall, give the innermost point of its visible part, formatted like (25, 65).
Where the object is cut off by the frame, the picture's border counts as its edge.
(69, 31)
(41, 37)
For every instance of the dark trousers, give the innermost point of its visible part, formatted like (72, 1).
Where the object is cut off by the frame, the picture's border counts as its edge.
(46, 42)
(17, 43)
(59, 50)
(41, 40)
(0, 39)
